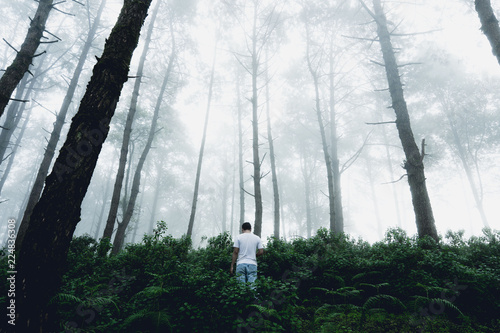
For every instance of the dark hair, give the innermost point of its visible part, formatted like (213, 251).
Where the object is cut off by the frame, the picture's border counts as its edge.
(246, 226)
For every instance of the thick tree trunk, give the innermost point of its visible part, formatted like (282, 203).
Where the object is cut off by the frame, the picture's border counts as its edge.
(489, 25)
(122, 227)
(255, 131)
(117, 189)
(414, 160)
(43, 170)
(15, 72)
(202, 148)
(43, 252)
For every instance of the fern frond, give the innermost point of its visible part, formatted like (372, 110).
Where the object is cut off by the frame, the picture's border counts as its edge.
(267, 311)
(374, 300)
(65, 297)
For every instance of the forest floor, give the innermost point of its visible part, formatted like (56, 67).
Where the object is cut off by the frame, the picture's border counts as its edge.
(328, 283)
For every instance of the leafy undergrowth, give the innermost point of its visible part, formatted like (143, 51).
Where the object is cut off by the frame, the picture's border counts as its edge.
(328, 283)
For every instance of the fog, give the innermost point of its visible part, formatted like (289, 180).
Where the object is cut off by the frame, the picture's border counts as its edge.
(450, 77)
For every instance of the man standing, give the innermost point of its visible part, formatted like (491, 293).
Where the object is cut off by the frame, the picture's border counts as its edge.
(245, 251)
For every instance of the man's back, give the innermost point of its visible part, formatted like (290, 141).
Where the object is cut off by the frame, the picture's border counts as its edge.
(248, 243)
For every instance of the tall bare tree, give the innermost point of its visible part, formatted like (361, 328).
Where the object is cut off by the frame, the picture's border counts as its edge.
(414, 163)
(45, 246)
(50, 151)
(21, 63)
(117, 189)
(202, 147)
(127, 217)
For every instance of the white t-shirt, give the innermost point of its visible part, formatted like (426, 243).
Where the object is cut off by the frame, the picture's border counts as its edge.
(248, 243)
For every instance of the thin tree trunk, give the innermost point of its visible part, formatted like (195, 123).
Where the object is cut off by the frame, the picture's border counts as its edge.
(489, 25)
(101, 213)
(55, 135)
(10, 123)
(202, 148)
(413, 165)
(240, 158)
(122, 227)
(152, 220)
(462, 154)
(20, 65)
(14, 150)
(255, 131)
(337, 189)
(272, 158)
(43, 252)
(329, 171)
(139, 210)
(117, 189)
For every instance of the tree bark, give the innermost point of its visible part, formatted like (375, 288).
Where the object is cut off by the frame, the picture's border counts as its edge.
(272, 158)
(337, 189)
(127, 217)
(202, 148)
(255, 130)
(11, 119)
(489, 25)
(43, 252)
(20, 65)
(329, 171)
(43, 170)
(240, 159)
(14, 149)
(117, 189)
(413, 165)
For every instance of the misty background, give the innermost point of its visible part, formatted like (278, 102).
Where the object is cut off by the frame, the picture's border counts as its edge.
(451, 82)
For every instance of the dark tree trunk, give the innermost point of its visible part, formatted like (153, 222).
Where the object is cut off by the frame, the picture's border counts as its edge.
(122, 227)
(202, 149)
(43, 170)
(489, 25)
(414, 160)
(43, 252)
(20, 65)
(117, 189)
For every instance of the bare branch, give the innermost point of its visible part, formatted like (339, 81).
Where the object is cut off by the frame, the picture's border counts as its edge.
(377, 63)
(395, 181)
(10, 45)
(382, 123)
(19, 100)
(416, 33)
(361, 38)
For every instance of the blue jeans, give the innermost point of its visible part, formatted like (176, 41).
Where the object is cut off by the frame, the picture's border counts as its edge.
(246, 273)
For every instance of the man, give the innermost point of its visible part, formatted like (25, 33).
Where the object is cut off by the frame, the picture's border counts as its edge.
(245, 251)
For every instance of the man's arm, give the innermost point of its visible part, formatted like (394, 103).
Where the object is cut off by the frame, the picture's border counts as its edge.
(236, 250)
(260, 252)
